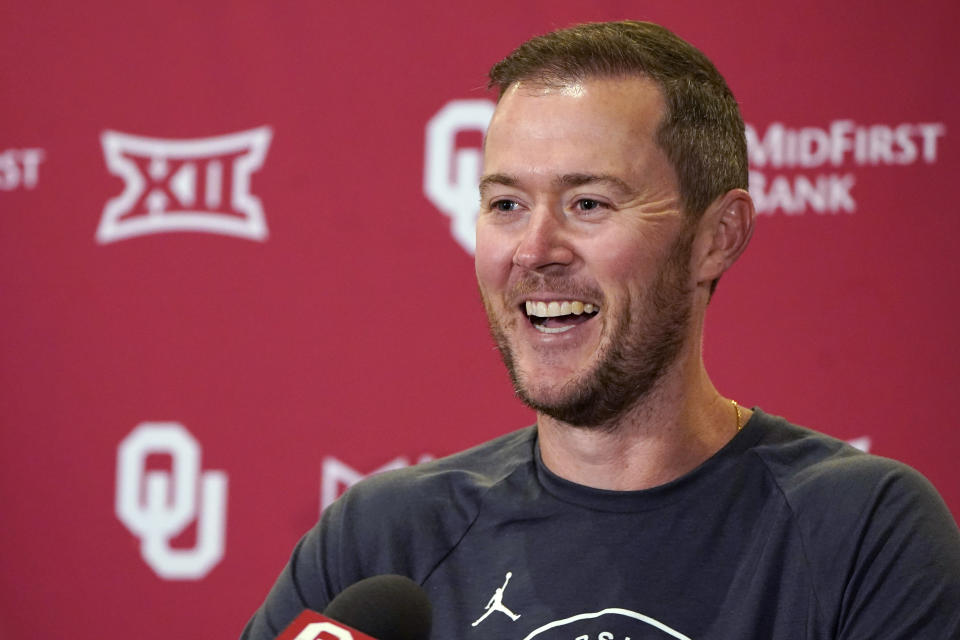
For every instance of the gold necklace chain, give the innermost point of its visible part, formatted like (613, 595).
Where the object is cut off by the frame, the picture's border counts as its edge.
(739, 417)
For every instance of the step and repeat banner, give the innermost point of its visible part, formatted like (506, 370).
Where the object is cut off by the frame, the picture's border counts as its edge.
(236, 269)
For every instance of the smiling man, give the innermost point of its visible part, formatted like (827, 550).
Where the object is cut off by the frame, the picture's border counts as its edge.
(643, 503)
(581, 210)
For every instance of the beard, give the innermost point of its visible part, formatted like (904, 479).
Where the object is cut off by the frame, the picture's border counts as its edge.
(647, 338)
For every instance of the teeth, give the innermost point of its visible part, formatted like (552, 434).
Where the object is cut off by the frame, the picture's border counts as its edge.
(543, 329)
(556, 308)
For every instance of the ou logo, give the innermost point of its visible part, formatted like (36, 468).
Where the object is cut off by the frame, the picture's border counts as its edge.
(451, 175)
(158, 505)
(322, 631)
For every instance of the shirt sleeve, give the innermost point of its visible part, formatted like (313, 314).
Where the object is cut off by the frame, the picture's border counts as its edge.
(904, 580)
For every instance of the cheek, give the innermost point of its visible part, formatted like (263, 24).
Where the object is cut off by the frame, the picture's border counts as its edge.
(493, 258)
(622, 260)
(625, 267)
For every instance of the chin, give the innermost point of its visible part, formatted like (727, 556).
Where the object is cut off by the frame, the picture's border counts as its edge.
(570, 400)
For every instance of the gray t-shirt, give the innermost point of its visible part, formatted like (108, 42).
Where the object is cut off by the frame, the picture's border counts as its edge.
(784, 533)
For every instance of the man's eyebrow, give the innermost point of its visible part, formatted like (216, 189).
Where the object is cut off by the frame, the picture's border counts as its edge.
(498, 178)
(580, 179)
(565, 181)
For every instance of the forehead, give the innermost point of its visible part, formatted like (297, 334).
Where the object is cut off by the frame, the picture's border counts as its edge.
(594, 125)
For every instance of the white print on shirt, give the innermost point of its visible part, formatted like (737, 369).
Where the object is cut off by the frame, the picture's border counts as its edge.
(618, 624)
(496, 604)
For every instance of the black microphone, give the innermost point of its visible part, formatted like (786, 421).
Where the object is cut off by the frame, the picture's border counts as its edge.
(387, 607)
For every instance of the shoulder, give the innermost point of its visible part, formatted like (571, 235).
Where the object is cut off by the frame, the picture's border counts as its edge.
(466, 476)
(868, 526)
(812, 469)
(406, 520)
(403, 521)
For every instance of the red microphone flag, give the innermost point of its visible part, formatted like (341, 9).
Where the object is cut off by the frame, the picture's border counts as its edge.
(310, 625)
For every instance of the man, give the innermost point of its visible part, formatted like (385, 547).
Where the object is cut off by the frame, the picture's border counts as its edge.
(643, 504)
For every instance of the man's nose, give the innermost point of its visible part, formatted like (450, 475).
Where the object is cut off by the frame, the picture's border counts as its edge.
(545, 241)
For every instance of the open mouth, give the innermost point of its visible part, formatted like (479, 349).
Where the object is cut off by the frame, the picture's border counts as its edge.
(559, 316)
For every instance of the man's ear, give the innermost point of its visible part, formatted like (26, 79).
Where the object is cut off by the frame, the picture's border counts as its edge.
(725, 231)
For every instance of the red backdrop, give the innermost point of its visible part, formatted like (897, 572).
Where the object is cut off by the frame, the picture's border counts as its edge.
(295, 298)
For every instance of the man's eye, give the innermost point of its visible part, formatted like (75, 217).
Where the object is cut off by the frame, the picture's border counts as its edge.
(504, 205)
(588, 204)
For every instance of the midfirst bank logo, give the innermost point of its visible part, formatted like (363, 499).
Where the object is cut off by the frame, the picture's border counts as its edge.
(200, 184)
(158, 505)
(19, 168)
(793, 170)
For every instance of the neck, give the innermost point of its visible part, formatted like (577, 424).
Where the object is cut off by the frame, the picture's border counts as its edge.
(677, 426)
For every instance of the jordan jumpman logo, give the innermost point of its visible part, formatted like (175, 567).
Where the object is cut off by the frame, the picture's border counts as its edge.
(496, 604)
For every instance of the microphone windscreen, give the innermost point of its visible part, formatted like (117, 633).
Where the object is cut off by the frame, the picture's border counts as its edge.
(387, 607)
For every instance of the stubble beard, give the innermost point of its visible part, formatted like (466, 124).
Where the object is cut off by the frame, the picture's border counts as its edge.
(647, 338)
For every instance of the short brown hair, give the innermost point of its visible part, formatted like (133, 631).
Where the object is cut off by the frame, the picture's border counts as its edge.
(702, 132)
